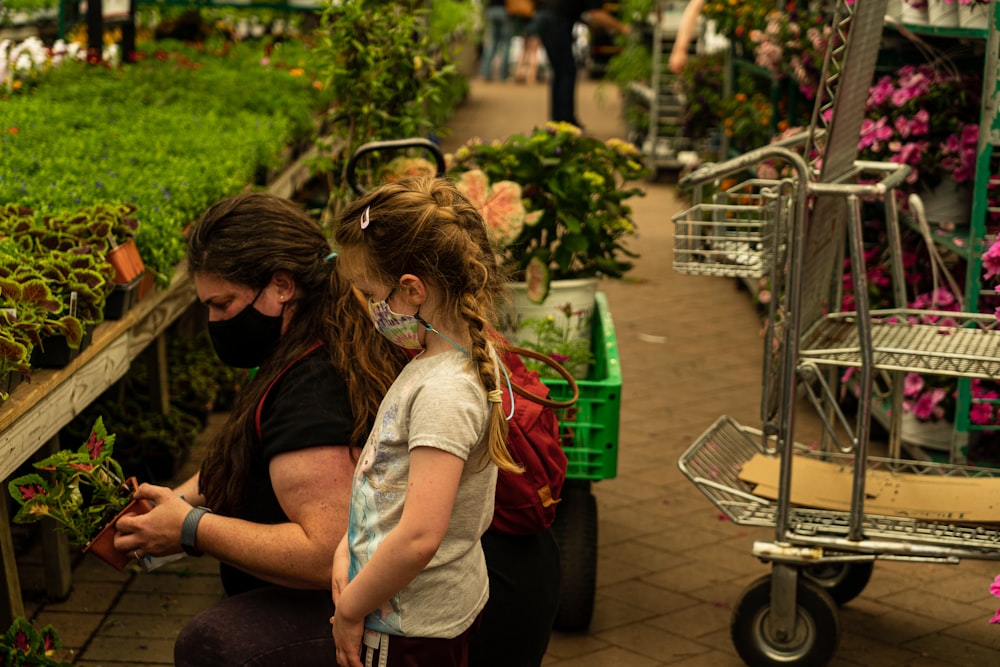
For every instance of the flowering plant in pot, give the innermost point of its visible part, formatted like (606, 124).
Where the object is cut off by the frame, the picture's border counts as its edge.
(926, 117)
(23, 644)
(793, 45)
(575, 191)
(84, 494)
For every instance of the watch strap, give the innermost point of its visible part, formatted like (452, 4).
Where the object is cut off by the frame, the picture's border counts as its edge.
(189, 530)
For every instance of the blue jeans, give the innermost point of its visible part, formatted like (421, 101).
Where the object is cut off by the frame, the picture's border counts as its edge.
(556, 33)
(501, 28)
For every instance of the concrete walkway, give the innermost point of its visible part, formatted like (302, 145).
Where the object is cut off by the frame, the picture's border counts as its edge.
(669, 568)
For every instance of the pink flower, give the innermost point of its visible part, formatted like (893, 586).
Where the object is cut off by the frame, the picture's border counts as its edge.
(913, 384)
(995, 590)
(928, 405)
(991, 259)
(981, 413)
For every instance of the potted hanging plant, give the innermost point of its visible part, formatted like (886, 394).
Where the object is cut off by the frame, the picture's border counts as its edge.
(928, 118)
(574, 190)
(84, 494)
(23, 644)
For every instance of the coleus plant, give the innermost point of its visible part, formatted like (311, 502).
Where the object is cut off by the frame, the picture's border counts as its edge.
(84, 492)
(23, 644)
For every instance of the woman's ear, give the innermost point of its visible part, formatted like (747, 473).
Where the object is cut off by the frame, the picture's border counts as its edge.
(284, 285)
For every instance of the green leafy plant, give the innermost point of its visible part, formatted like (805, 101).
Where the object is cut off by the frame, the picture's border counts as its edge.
(576, 190)
(384, 47)
(249, 101)
(556, 338)
(85, 491)
(24, 645)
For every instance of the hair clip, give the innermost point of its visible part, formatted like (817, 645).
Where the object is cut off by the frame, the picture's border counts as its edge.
(332, 256)
(365, 218)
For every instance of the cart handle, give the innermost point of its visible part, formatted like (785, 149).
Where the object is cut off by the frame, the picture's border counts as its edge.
(391, 144)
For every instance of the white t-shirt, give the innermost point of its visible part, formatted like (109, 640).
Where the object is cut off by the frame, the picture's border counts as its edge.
(435, 402)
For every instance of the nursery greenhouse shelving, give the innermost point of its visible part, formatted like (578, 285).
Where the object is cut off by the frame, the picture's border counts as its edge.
(970, 241)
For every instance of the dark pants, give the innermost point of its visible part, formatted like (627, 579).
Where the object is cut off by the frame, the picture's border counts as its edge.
(556, 33)
(393, 651)
(524, 596)
(266, 627)
(279, 627)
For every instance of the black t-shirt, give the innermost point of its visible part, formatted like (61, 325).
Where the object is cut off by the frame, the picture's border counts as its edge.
(307, 407)
(571, 9)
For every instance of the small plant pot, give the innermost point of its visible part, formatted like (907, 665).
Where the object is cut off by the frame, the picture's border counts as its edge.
(57, 353)
(127, 263)
(146, 284)
(103, 544)
(121, 299)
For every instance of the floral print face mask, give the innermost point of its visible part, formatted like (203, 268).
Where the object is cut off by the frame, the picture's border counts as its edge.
(402, 330)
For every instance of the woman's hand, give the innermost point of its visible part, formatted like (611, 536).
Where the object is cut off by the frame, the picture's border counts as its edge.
(157, 532)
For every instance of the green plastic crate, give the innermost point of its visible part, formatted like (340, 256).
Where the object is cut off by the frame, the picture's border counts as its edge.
(589, 429)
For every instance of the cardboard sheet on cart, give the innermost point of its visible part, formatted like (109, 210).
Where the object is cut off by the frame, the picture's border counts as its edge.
(825, 485)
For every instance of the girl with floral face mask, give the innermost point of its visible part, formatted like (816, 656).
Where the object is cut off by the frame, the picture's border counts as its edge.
(409, 577)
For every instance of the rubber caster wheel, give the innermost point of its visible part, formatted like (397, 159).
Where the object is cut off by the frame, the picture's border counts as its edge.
(842, 581)
(575, 529)
(813, 642)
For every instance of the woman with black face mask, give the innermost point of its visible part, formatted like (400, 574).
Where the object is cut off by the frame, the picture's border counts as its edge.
(270, 500)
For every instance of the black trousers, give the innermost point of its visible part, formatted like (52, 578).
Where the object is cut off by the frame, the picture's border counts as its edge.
(265, 627)
(556, 33)
(524, 597)
(278, 627)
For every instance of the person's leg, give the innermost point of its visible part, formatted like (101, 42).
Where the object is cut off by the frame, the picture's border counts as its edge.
(266, 627)
(524, 599)
(531, 46)
(493, 40)
(503, 48)
(556, 33)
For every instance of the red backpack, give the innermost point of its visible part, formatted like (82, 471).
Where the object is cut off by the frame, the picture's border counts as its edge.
(526, 502)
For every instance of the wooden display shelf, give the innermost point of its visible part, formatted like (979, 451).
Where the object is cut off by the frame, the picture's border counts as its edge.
(37, 410)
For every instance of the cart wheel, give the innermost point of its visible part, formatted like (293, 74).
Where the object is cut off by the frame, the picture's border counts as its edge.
(575, 530)
(842, 581)
(817, 628)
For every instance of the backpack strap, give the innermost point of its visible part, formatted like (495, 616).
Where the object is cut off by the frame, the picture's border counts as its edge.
(260, 404)
(549, 361)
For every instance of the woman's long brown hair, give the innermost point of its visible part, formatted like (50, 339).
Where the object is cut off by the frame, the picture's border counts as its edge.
(245, 239)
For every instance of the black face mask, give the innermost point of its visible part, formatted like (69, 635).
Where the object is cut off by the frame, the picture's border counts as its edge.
(245, 340)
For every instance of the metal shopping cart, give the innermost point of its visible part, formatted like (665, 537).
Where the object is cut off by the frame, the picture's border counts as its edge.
(794, 231)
